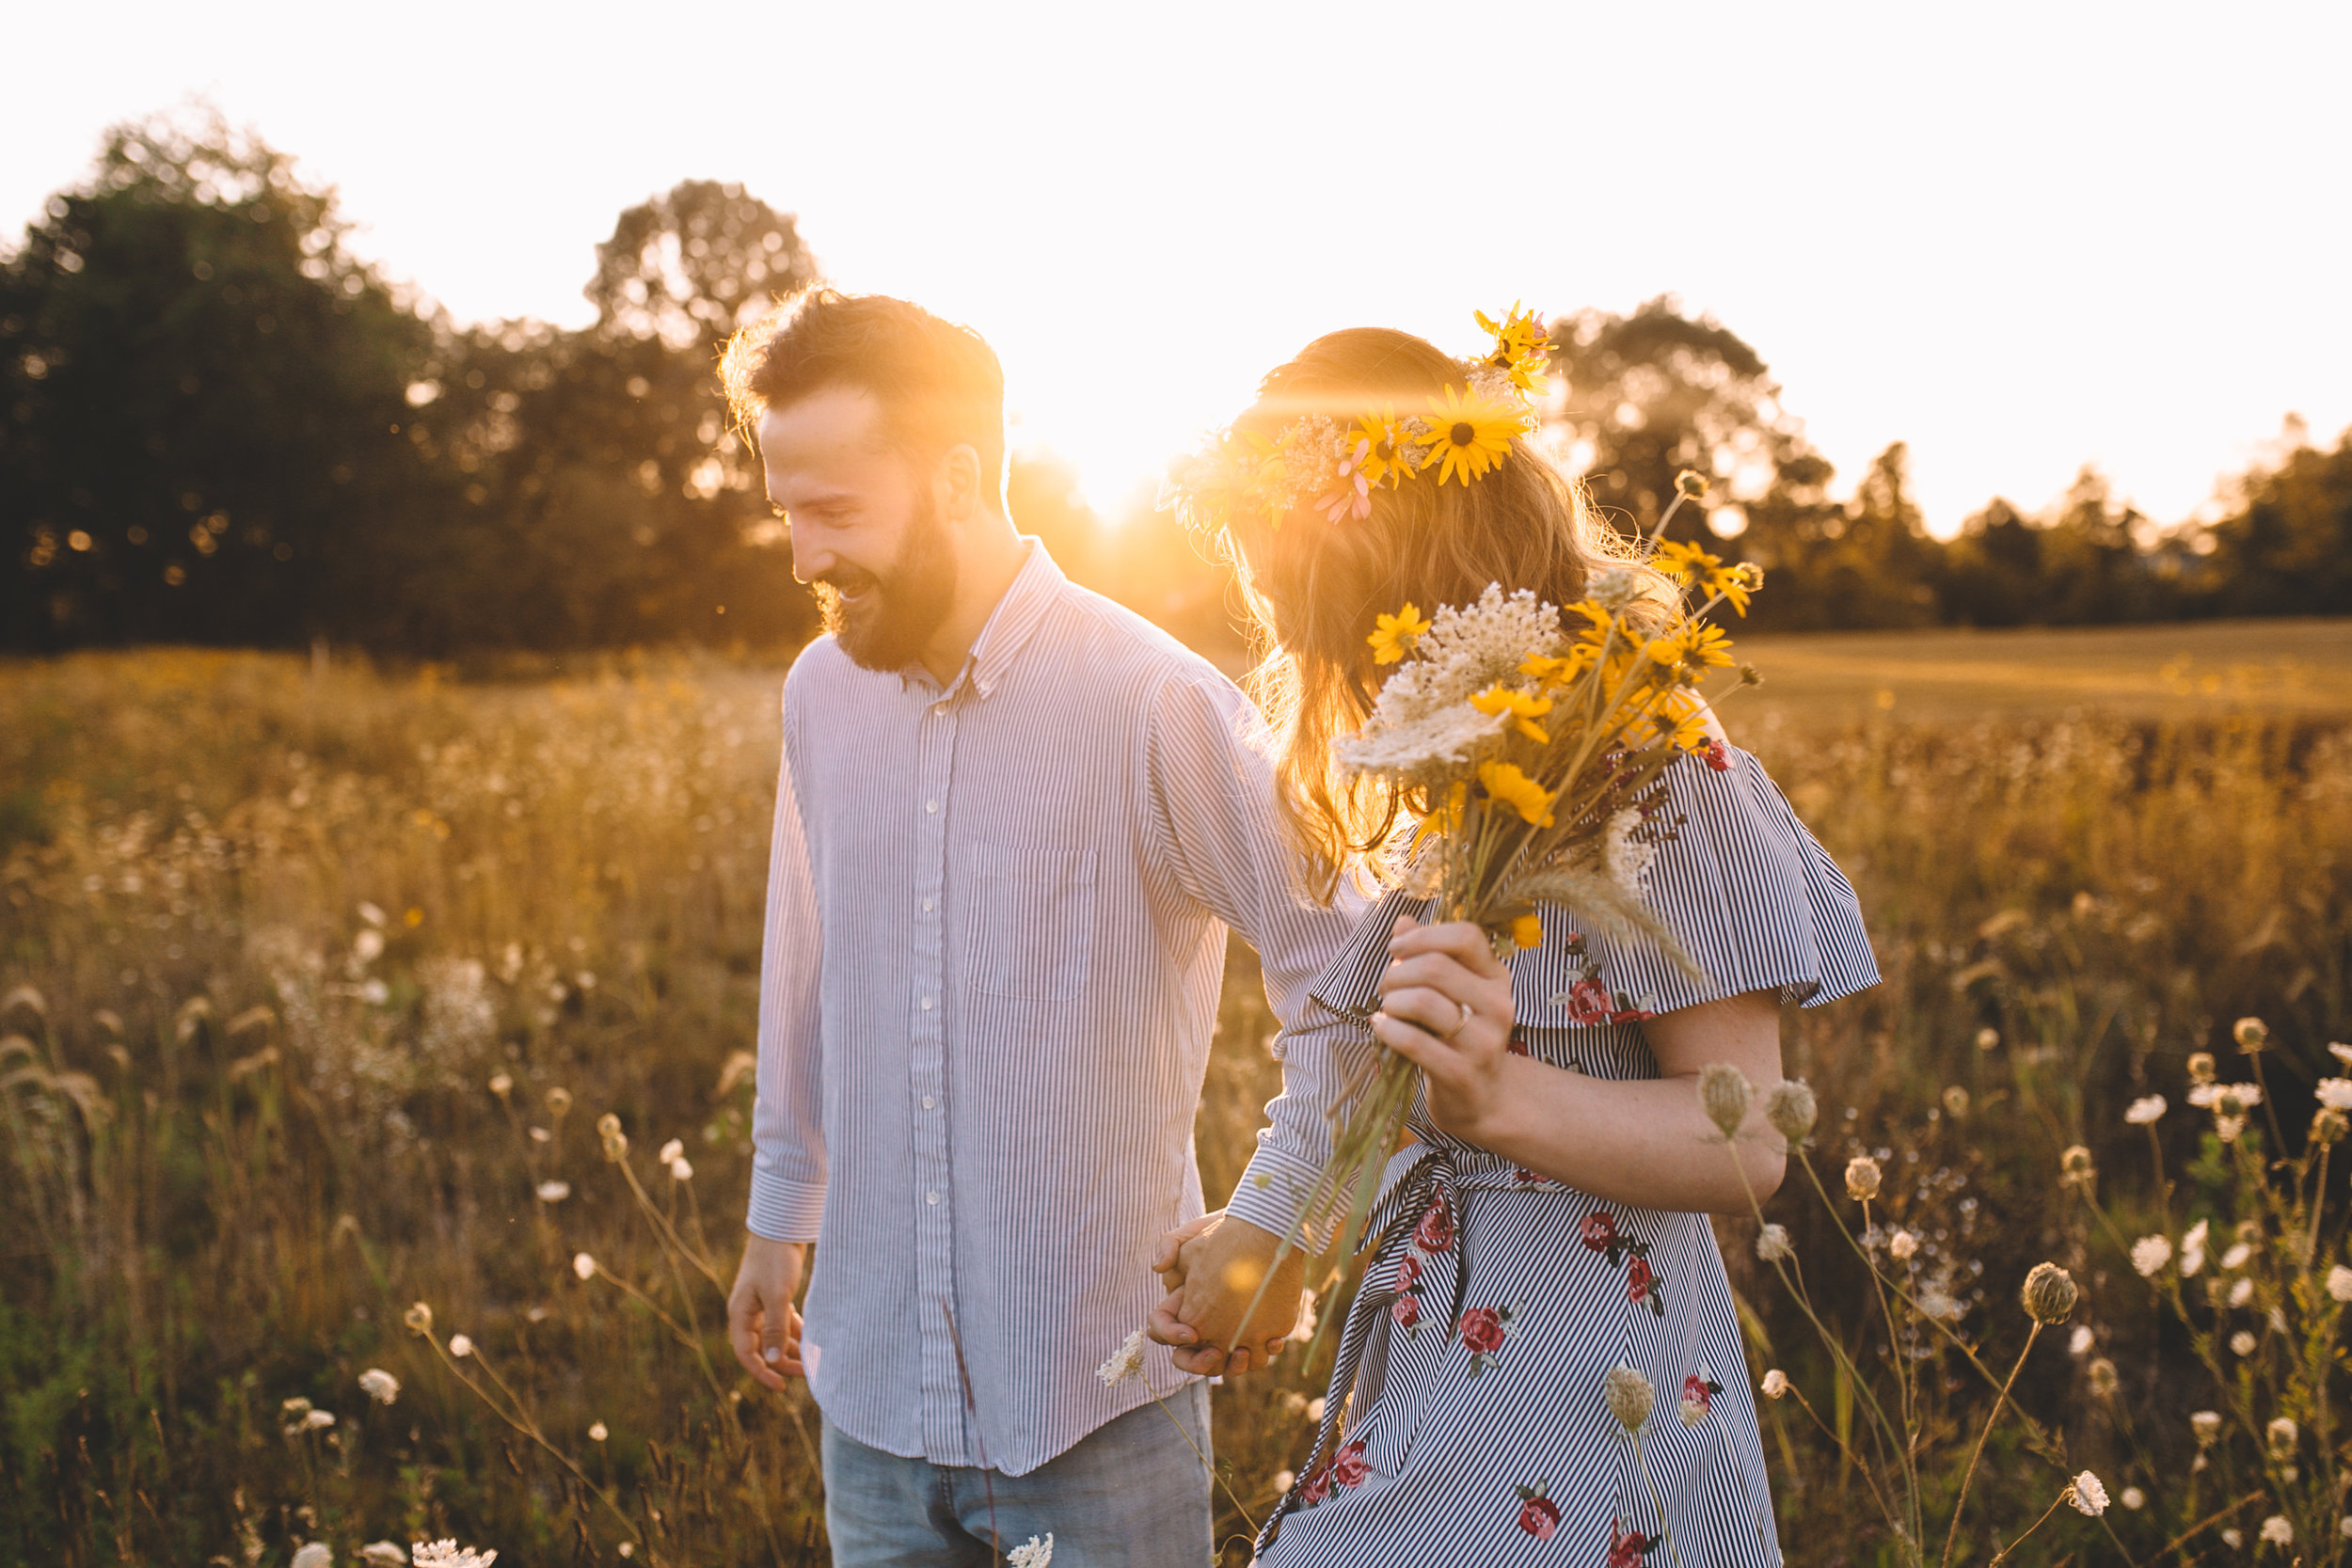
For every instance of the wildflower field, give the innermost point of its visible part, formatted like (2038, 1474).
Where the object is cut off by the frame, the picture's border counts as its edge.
(374, 1086)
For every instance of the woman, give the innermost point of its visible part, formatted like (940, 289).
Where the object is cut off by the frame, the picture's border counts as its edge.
(1550, 1222)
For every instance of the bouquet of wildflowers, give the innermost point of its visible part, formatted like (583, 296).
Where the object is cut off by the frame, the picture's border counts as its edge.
(1534, 741)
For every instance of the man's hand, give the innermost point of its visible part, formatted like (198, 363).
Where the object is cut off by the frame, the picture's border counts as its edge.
(1212, 1268)
(762, 1322)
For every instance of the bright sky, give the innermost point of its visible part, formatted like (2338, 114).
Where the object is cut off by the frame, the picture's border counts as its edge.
(2019, 236)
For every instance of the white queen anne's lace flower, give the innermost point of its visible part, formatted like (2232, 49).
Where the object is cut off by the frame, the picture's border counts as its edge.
(379, 1385)
(2276, 1531)
(1125, 1362)
(2340, 1283)
(2146, 1109)
(1429, 740)
(449, 1554)
(1037, 1554)
(2335, 1093)
(1629, 857)
(2089, 1494)
(2193, 1249)
(2150, 1254)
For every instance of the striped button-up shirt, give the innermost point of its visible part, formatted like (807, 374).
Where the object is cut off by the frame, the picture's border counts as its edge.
(997, 922)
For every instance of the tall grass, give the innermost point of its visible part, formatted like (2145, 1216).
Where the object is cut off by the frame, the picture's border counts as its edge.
(270, 935)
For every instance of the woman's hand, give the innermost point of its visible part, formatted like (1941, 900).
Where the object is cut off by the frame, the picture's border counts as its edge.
(1445, 1004)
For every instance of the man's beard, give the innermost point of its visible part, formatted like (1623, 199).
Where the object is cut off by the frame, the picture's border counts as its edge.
(899, 608)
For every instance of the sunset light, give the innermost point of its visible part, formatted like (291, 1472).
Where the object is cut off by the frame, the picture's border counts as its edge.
(2002, 235)
(1228, 783)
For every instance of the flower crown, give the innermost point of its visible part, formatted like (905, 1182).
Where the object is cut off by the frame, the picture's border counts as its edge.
(1333, 466)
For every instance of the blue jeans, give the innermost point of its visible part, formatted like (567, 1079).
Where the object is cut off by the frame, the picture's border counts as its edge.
(1131, 1494)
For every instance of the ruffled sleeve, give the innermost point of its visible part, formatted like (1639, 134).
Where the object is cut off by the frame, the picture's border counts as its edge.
(1752, 896)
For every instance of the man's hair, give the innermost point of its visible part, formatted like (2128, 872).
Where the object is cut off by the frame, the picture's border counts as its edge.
(939, 384)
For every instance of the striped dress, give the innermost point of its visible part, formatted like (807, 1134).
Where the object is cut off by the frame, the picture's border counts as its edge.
(1465, 1422)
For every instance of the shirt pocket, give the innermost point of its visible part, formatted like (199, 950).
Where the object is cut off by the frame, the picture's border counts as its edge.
(1031, 921)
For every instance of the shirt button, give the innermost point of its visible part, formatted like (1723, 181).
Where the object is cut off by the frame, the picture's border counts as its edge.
(928, 1103)
(939, 708)
(930, 1197)
(927, 1004)
(927, 906)
(931, 805)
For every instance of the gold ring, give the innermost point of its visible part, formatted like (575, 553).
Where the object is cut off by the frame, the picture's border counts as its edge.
(1459, 1024)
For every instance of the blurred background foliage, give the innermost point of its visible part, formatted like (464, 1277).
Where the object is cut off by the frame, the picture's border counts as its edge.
(218, 426)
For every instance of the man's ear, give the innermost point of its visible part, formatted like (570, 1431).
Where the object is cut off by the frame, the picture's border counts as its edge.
(961, 478)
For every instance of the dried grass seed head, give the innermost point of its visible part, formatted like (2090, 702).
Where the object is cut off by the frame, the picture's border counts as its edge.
(1863, 1179)
(1791, 1109)
(1630, 1395)
(1725, 1094)
(2049, 1293)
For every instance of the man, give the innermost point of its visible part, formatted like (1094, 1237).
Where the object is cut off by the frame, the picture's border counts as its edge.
(1013, 823)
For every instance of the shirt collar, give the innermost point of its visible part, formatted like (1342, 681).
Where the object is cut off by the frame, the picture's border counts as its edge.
(1018, 614)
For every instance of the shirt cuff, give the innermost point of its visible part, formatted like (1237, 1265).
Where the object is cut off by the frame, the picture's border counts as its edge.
(1273, 1193)
(785, 1211)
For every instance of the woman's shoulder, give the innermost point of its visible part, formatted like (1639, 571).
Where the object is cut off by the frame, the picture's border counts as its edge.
(1749, 895)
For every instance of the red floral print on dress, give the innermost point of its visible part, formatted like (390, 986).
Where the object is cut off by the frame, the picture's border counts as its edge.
(1436, 1233)
(1348, 1466)
(1698, 1395)
(1483, 1330)
(1590, 1002)
(1405, 1309)
(1538, 1515)
(1719, 756)
(1628, 1549)
(1600, 1233)
(1640, 1285)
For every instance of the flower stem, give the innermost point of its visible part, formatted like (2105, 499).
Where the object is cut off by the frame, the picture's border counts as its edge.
(2002, 1555)
(1673, 1549)
(1952, 1535)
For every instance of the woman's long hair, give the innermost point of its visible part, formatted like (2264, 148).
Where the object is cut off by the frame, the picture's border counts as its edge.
(1313, 588)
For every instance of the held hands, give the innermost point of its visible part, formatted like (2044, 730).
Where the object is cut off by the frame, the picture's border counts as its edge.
(762, 1323)
(1445, 1004)
(1213, 1267)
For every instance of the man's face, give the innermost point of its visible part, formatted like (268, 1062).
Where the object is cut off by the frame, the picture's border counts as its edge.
(865, 528)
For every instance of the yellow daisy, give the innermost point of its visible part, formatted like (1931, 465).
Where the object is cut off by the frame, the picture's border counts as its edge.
(1470, 435)
(1562, 670)
(1683, 561)
(1736, 583)
(1390, 460)
(1527, 932)
(1505, 783)
(1395, 634)
(1522, 346)
(1523, 707)
(1706, 647)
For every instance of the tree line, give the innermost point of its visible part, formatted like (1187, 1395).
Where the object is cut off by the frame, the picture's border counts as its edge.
(222, 427)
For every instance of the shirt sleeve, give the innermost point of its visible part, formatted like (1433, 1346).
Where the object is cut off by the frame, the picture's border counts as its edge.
(787, 1131)
(1212, 825)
